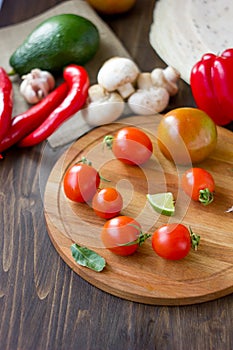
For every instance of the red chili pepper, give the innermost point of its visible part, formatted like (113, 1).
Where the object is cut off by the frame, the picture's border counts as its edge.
(28, 121)
(78, 81)
(211, 83)
(6, 102)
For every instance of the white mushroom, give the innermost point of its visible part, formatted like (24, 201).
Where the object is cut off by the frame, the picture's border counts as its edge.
(102, 107)
(36, 85)
(144, 81)
(148, 99)
(118, 74)
(166, 78)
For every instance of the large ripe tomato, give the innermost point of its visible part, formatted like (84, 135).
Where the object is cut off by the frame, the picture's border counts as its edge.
(173, 241)
(186, 135)
(131, 145)
(81, 182)
(110, 7)
(198, 184)
(107, 203)
(122, 235)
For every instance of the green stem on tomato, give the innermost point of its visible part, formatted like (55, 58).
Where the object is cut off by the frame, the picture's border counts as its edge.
(195, 239)
(86, 161)
(205, 196)
(142, 237)
(108, 140)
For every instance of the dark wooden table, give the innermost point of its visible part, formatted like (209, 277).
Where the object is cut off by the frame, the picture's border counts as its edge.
(43, 303)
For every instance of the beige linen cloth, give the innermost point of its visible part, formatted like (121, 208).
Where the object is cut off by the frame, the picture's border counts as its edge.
(12, 36)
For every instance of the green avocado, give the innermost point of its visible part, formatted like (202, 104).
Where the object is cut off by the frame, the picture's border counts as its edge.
(55, 43)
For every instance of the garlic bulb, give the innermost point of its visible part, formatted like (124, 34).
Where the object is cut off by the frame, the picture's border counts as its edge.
(36, 85)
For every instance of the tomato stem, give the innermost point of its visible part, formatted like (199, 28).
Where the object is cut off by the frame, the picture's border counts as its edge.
(142, 237)
(140, 240)
(195, 239)
(108, 140)
(205, 196)
(104, 179)
(84, 160)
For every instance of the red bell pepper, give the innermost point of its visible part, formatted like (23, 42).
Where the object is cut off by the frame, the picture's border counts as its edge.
(211, 83)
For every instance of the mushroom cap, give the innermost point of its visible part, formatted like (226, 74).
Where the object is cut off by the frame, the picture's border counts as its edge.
(166, 78)
(117, 71)
(103, 107)
(147, 102)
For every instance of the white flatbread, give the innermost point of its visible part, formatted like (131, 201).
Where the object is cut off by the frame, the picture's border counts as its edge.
(183, 30)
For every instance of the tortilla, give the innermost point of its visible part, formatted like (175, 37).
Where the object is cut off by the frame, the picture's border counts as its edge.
(182, 31)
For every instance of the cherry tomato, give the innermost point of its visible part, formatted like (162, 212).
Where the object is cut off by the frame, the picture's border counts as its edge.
(107, 203)
(81, 182)
(174, 241)
(198, 184)
(186, 135)
(130, 145)
(122, 235)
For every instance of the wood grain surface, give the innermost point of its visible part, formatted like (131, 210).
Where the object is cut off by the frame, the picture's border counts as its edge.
(44, 304)
(144, 277)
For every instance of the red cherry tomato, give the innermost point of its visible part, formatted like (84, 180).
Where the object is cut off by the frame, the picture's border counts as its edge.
(198, 184)
(122, 235)
(173, 241)
(107, 203)
(130, 145)
(81, 182)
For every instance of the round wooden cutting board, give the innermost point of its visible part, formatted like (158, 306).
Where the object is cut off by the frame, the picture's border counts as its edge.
(144, 277)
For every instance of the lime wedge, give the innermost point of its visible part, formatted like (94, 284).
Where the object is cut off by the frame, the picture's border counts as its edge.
(163, 203)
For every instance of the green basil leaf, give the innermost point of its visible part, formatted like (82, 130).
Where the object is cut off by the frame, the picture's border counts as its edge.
(87, 257)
